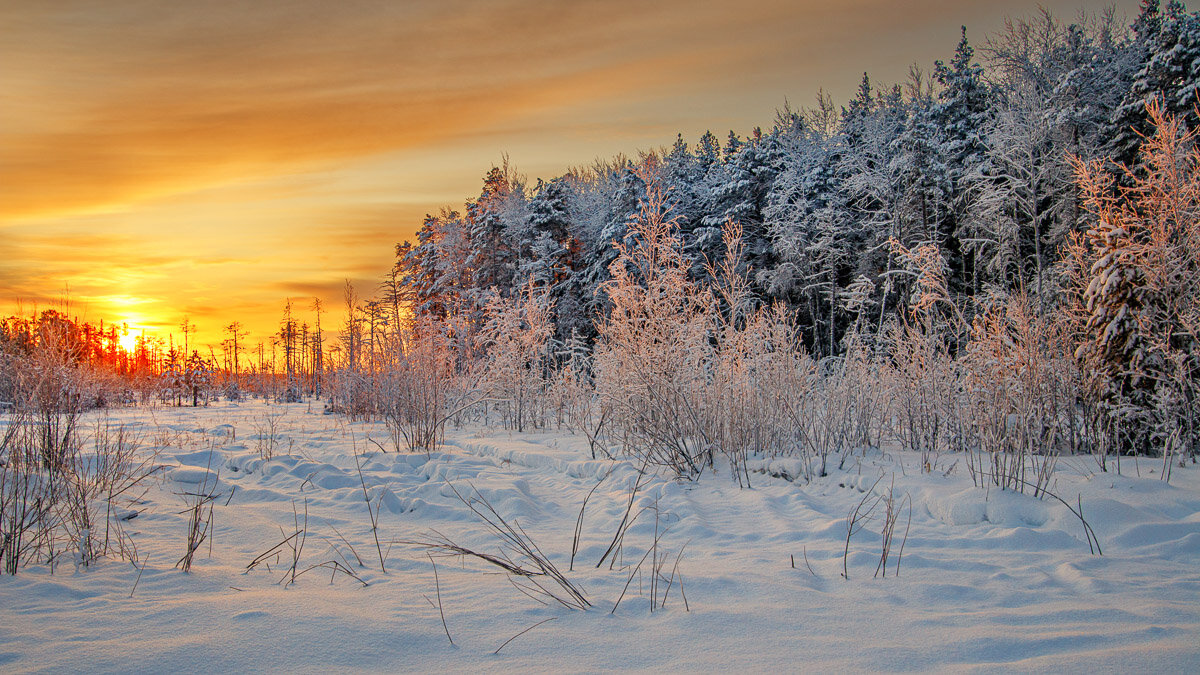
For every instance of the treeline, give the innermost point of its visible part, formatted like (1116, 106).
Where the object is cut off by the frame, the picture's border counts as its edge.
(51, 349)
(97, 344)
(976, 161)
(992, 179)
(103, 364)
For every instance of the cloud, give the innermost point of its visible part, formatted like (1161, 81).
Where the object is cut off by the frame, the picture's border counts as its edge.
(116, 106)
(327, 291)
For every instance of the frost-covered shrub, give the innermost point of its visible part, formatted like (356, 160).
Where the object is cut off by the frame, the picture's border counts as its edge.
(53, 389)
(71, 507)
(429, 380)
(760, 386)
(573, 392)
(8, 381)
(924, 378)
(352, 394)
(197, 379)
(760, 390)
(1019, 375)
(187, 379)
(26, 519)
(653, 347)
(842, 406)
(687, 372)
(924, 383)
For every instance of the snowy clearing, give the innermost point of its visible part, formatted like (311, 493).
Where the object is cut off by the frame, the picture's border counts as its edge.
(987, 580)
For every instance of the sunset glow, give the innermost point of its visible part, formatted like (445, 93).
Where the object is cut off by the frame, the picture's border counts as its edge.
(212, 160)
(128, 342)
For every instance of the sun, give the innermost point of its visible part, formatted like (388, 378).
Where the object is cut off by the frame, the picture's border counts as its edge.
(129, 341)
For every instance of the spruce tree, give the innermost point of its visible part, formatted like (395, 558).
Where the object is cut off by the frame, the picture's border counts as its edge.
(962, 114)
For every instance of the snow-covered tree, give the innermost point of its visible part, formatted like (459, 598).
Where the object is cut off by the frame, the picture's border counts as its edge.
(496, 226)
(1015, 205)
(1167, 51)
(627, 187)
(962, 111)
(807, 216)
(1142, 299)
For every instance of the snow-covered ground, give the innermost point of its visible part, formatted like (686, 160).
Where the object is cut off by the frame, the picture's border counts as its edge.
(988, 580)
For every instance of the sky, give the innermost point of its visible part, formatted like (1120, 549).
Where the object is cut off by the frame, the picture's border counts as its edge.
(211, 160)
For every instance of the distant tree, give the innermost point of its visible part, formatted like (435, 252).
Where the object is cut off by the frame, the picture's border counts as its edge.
(318, 349)
(351, 334)
(196, 377)
(235, 345)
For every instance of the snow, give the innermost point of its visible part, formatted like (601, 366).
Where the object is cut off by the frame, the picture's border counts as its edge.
(988, 580)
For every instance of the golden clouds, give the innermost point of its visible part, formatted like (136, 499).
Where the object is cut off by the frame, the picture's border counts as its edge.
(115, 105)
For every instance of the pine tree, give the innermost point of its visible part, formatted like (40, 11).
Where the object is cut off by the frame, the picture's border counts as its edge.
(708, 151)
(435, 272)
(807, 218)
(1172, 74)
(737, 191)
(1159, 59)
(962, 115)
(197, 376)
(919, 167)
(873, 175)
(1096, 70)
(1116, 350)
(683, 177)
(493, 259)
(629, 193)
(555, 259)
(1142, 299)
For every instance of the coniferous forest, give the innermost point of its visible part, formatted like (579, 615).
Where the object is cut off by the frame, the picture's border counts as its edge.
(1026, 206)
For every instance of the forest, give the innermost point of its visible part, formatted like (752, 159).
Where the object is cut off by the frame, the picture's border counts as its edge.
(1012, 232)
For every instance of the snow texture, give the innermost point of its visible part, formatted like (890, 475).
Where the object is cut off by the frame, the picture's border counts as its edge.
(988, 580)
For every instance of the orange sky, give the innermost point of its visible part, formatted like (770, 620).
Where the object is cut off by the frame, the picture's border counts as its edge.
(211, 159)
